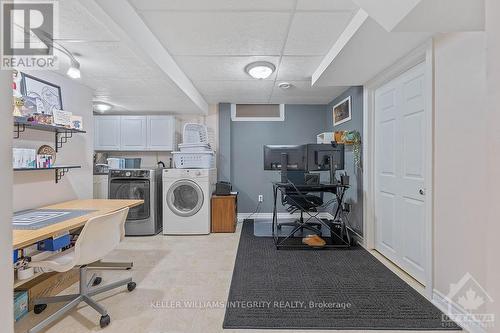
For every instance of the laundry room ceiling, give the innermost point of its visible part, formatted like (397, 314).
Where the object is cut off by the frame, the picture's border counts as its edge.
(209, 42)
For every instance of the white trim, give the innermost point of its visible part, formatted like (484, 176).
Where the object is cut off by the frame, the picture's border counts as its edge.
(280, 118)
(348, 98)
(443, 304)
(423, 53)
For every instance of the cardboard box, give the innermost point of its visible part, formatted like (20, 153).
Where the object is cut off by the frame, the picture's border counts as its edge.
(49, 284)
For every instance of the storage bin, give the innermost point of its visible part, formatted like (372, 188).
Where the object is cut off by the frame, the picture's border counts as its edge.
(194, 133)
(20, 304)
(133, 163)
(54, 244)
(194, 160)
(194, 147)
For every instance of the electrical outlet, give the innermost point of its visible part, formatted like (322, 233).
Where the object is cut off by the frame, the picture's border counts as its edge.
(261, 198)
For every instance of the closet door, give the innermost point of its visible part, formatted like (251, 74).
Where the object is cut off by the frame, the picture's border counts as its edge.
(400, 162)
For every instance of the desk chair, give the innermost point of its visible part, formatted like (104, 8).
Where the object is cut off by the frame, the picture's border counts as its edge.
(295, 201)
(99, 237)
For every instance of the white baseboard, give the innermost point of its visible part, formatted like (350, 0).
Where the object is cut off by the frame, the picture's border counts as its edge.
(442, 303)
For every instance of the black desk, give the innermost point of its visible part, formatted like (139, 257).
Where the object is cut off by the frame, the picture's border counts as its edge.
(338, 190)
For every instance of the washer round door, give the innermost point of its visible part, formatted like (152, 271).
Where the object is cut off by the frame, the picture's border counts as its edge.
(185, 198)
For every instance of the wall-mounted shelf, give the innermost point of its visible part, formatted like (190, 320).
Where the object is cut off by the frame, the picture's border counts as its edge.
(60, 170)
(62, 134)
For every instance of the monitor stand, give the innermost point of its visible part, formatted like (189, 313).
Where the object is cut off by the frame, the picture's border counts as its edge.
(333, 169)
(284, 167)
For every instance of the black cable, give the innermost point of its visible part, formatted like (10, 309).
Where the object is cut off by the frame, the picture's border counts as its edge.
(257, 209)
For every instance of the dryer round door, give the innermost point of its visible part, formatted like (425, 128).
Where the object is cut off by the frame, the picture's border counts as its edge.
(185, 198)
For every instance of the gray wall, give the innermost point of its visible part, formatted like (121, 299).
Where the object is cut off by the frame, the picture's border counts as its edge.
(241, 150)
(245, 152)
(355, 193)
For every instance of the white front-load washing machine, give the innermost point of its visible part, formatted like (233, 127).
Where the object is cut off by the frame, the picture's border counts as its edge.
(186, 200)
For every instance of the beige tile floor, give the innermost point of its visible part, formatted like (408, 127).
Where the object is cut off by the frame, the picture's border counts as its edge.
(166, 269)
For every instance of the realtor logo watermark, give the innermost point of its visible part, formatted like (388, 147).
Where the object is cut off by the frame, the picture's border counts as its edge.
(468, 303)
(28, 30)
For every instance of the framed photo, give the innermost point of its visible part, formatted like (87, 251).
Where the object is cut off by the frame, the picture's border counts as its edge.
(47, 95)
(342, 111)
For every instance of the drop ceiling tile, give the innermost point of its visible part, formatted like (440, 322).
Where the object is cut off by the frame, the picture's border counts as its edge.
(301, 92)
(177, 104)
(216, 68)
(314, 33)
(323, 5)
(213, 5)
(76, 23)
(298, 68)
(219, 33)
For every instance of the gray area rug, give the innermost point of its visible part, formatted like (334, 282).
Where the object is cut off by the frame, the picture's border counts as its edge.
(325, 289)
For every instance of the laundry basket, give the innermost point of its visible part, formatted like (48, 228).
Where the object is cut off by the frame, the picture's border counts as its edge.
(194, 160)
(194, 133)
(194, 147)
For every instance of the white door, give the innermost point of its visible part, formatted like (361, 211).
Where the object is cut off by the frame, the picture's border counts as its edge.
(133, 133)
(107, 132)
(161, 133)
(400, 164)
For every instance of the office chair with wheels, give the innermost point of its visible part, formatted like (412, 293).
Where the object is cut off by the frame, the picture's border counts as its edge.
(99, 237)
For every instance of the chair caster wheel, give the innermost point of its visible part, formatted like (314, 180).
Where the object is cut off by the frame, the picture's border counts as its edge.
(131, 286)
(105, 320)
(38, 308)
(97, 281)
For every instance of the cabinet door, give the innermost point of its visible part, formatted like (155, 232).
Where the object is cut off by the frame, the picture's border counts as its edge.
(161, 133)
(107, 132)
(133, 133)
(100, 187)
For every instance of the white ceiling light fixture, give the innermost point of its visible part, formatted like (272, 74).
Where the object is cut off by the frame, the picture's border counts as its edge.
(284, 85)
(260, 70)
(102, 107)
(74, 70)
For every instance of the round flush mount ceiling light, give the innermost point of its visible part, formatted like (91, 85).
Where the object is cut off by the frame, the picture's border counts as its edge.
(284, 85)
(260, 69)
(102, 106)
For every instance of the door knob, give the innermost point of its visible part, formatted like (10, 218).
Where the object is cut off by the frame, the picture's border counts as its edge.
(421, 191)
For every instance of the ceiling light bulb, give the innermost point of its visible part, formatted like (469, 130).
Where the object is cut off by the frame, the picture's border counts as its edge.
(102, 107)
(74, 70)
(260, 69)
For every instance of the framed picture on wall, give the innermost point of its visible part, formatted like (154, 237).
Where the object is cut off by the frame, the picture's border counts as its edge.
(47, 95)
(342, 111)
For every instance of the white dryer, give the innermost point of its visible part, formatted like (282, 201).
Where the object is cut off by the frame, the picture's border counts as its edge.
(186, 200)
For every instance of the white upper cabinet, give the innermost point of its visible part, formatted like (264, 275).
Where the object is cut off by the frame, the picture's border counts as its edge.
(128, 133)
(107, 132)
(133, 133)
(161, 133)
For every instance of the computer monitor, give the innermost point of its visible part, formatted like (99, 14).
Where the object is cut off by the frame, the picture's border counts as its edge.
(325, 157)
(284, 158)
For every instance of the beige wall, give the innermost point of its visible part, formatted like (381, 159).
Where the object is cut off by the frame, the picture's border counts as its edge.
(460, 170)
(34, 189)
(493, 143)
(6, 274)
